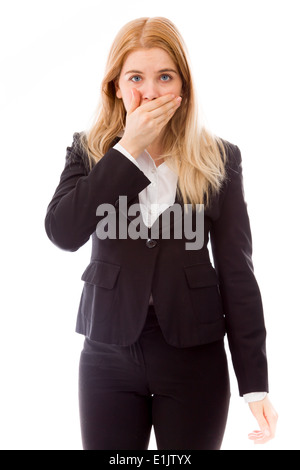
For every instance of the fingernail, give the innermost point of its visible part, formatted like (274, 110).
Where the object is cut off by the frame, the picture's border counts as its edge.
(179, 99)
(267, 433)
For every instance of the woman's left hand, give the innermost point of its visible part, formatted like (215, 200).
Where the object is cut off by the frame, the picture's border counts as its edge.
(267, 418)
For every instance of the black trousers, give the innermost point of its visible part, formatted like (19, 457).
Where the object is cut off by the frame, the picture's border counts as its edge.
(124, 391)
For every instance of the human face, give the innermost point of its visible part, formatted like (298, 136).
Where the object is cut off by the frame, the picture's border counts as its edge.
(152, 72)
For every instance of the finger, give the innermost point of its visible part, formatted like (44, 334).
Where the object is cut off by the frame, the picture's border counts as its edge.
(258, 438)
(256, 435)
(162, 117)
(169, 114)
(163, 110)
(155, 104)
(135, 100)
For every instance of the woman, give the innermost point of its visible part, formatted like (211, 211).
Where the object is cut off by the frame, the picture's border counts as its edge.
(154, 310)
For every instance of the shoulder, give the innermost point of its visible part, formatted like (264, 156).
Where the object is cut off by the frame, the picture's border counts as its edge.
(233, 155)
(232, 164)
(79, 150)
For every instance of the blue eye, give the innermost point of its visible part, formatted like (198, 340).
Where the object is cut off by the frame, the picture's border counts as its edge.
(134, 77)
(166, 78)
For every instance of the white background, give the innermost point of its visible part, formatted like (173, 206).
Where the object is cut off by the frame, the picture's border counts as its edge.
(245, 58)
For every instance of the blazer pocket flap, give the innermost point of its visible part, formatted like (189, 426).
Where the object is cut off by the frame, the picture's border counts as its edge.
(101, 274)
(201, 275)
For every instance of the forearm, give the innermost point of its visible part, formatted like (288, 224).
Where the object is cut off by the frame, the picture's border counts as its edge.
(71, 215)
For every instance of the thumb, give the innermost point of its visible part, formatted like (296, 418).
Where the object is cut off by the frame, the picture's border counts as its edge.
(135, 100)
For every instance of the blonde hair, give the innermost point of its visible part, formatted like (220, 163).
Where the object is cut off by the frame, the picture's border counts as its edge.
(197, 156)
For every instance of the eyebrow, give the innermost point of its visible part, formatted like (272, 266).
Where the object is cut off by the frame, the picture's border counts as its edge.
(159, 71)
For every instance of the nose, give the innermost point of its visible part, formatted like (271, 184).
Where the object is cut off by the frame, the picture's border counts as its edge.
(150, 91)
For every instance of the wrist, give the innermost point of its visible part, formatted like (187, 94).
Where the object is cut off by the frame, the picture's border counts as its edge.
(131, 148)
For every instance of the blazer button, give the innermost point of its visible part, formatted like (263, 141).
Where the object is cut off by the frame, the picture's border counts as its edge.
(151, 243)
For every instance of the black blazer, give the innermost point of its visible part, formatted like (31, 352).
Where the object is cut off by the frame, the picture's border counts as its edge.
(195, 302)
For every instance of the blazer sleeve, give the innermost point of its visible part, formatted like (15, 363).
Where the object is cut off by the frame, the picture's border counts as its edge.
(71, 215)
(231, 243)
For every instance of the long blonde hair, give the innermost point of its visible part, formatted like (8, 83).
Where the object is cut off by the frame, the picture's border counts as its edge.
(197, 156)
